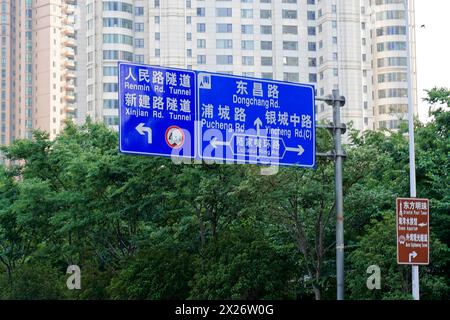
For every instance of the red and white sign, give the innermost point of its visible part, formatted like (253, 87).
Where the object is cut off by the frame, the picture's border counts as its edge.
(413, 231)
(174, 137)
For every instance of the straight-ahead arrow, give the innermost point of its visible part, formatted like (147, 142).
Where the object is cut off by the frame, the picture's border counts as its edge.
(258, 124)
(142, 130)
(299, 150)
(215, 143)
(412, 255)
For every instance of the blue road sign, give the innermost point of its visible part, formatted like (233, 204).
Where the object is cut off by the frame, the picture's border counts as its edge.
(249, 120)
(157, 108)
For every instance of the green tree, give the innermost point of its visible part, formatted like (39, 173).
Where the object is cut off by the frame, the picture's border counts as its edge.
(378, 247)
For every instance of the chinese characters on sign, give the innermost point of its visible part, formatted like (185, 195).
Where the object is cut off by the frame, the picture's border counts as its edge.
(167, 111)
(261, 121)
(413, 236)
(157, 110)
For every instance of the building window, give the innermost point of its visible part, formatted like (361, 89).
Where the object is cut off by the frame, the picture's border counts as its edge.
(290, 45)
(111, 120)
(139, 43)
(266, 61)
(224, 12)
(139, 11)
(266, 29)
(117, 6)
(201, 27)
(290, 61)
(224, 59)
(311, 31)
(110, 87)
(265, 14)
(139, 58)
(247, 29)
(224, 44)
(290, 30)
(289, 14)
(266, 45)
(291, 76)
(201, 43)
(247, 45)
(110, 103)
(200, 12)
(248, 60)
(139, 27)
(110, 71)
(311, 46)
(246, 13)
(118, 22)
(224, 28)
(201, 59)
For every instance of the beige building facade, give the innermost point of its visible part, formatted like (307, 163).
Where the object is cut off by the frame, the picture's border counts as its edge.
(356, 46)
(59, 57)
(37, 67)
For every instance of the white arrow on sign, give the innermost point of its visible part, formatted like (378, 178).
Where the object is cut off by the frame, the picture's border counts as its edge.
(142, 130)
(422, 224)
(215, 143)
(412, 255)
(258, 123)
(299, 150)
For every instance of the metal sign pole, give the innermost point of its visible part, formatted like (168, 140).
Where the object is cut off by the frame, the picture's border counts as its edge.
(412, 162)
(338, 129)
(339, 196)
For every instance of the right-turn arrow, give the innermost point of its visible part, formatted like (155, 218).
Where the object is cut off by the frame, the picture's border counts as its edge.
(412, 255)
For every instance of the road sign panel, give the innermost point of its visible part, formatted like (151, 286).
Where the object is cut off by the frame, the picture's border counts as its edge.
(157, 108)
(260, 121)
(413, 231)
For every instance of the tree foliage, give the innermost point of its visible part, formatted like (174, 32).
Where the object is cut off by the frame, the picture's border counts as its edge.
(148, 228)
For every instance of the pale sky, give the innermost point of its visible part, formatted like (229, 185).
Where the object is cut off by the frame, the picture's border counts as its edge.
(433, 47)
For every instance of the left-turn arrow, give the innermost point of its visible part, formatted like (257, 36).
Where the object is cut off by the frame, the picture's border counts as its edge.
(142, 130)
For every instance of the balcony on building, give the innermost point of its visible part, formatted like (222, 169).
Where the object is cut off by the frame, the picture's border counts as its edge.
(69, 74)
(70, 108)
(69, 20)
(69, 64)
(69, 97)
(69, 42)
(69, 9)
(68, 52)
(70, 85)
(69, 30)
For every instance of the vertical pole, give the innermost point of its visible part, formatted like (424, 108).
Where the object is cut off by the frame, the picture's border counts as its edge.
(337, 100)
(412, 161)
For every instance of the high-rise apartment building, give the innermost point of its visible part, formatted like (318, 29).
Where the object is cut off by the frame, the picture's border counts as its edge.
(356, 46)
(37, 67)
